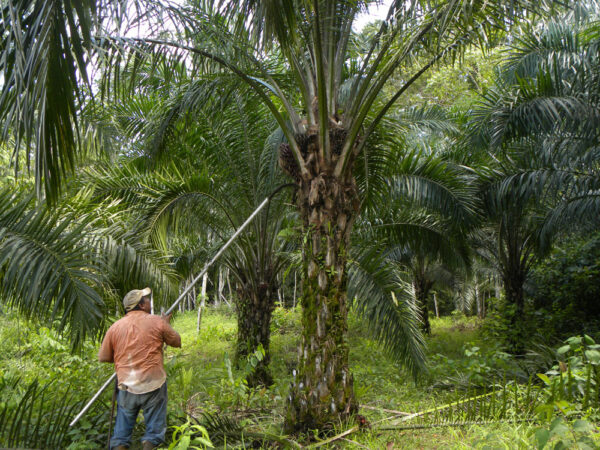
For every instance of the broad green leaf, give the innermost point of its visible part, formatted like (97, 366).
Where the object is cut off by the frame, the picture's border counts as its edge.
(582, 426)
(558, 428)
(593, 356)
(564, 349)
(541, 437)
(184, 444)
(544, 378)
(203, 441)
(564, 406)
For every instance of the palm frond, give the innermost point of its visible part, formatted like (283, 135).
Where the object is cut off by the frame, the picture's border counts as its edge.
(437, 185)
(376, 293)
(45, 48)
(45, 267)
(37, 416)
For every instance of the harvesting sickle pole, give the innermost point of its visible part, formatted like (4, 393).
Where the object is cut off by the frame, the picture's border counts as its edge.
(187, 290)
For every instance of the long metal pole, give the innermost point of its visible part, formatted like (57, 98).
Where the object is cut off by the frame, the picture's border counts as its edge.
(174, 305)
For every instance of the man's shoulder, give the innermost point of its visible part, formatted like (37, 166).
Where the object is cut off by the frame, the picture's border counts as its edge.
(124, 321)
(117, 324)
(137, 318)
(152, 320)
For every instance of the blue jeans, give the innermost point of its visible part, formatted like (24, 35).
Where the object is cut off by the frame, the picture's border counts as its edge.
(154, 406)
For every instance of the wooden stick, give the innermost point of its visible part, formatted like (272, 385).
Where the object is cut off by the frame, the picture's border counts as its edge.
(334, 438)
(400, 413)
(356, 443)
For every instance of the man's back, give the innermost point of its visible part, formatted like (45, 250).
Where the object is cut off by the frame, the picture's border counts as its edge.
(134, 343)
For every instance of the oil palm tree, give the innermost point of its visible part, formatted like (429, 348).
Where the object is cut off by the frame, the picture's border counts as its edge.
(233, 140)
(327, 109)
(431, 206)
(541, 125)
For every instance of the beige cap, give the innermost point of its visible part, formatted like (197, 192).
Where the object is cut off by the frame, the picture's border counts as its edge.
(132, 298)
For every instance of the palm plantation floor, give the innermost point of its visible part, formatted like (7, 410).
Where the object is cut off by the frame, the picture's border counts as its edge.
(200, 382)
(202, 379)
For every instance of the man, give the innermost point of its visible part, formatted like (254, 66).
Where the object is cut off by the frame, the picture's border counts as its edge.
(135, 344)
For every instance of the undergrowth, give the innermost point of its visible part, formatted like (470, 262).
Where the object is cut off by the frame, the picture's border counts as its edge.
(473, 396)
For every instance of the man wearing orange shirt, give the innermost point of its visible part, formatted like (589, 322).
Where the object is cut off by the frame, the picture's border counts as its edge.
(135, 344)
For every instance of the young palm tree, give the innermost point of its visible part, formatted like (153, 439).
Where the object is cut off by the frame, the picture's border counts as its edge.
(431, 207)
(233, 140)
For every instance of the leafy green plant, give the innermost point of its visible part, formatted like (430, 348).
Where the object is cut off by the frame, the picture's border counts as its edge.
(478, 367)
(235, 386)
(575, 379)
(564, 434)
(184, 380)
(190, 436)
(565, 288)
(36, 416)
(283, 320)
(571, 396)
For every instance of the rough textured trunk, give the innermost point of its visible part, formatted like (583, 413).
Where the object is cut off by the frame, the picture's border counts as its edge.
(513, 292)
(322, 391)
(221, 287)
(254, 309)
(422, 287)
(295, 285)
(480, 302)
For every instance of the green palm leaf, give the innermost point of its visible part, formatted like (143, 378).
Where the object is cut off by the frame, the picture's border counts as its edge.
(377, 294)
(45, 267)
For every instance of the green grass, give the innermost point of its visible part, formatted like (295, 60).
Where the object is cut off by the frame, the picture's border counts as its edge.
(380, 383)
(199, 381)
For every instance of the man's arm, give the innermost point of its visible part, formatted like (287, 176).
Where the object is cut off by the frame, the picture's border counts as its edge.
(106, 353)
(170, 336)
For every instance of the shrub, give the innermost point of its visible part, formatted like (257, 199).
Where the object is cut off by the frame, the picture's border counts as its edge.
(565, 288)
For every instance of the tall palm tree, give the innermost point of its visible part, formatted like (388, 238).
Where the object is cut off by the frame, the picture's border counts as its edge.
(514, 218)
(327, 110)
(431, 208)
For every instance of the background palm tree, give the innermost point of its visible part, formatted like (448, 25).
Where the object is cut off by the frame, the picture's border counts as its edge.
(431, 205)
(233, 139)
(540, 124)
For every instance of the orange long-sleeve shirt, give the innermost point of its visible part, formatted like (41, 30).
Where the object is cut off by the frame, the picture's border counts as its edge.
(135, 344)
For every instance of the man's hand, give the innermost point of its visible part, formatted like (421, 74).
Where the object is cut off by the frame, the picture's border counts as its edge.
(170, 336)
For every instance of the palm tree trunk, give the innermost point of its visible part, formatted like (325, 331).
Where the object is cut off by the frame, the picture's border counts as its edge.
(513, 292)
(478, 301)
(228, 284)
(294, 301)
(254, 310)
(422, 287)
(322, 390)
(435, 304)
(221, 286)
(280, 296)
